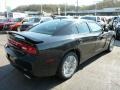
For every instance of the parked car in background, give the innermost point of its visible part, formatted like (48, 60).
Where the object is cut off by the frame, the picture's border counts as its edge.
(99, 19)
(34, 21)
(2, 23)
(116, 26)
(17, 24)
(11, 21)
(6, 23)
(112, 22)
(57, 47)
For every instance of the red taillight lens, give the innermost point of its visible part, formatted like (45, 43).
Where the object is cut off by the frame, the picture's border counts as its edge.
(29, 49)
(25, 47)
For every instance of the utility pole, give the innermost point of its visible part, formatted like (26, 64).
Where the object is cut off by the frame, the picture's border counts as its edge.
(65, 9)
(6, 8)
(41, 8)
(77, 8)
(95, 9)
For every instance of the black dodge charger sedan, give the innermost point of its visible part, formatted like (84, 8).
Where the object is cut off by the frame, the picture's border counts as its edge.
(57, 47)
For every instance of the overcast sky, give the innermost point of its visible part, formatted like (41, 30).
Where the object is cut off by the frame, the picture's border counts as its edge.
(15, 3)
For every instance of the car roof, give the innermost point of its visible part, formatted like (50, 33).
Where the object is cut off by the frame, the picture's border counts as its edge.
(75, 20)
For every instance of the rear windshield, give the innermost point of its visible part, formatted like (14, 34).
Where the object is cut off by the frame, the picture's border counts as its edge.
(50, 27)
(89, 18)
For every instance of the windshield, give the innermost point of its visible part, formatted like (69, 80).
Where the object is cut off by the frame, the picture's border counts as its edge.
(50, 27)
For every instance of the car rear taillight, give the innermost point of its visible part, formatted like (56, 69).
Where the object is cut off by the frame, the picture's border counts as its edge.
(23, 46)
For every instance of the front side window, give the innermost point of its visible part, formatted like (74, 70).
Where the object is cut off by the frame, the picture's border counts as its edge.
(94, 27)
(83, 28)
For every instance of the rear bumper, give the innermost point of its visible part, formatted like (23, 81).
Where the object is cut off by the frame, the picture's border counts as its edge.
(31, 65)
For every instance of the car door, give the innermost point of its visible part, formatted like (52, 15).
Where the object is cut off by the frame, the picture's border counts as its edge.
(86, 41)
(99, 34)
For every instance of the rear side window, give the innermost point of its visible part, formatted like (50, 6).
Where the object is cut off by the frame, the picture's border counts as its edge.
(70, 29)
(94, 27)
(83, 28)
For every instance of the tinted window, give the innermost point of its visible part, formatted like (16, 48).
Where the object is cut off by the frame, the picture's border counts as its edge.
(94, 27)
(50, 27)
(83, 28)
(70, 29)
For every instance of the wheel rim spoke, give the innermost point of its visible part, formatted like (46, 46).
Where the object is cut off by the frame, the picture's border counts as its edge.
(69, 66)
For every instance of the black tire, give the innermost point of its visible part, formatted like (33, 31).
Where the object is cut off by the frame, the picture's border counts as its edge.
(110, 48)
(60, 73)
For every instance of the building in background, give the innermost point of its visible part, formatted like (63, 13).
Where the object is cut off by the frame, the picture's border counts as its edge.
(103, 12)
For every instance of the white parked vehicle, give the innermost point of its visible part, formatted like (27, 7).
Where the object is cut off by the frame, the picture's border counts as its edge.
(99, 19)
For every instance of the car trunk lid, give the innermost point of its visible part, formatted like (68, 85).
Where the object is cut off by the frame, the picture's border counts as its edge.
(24, 41)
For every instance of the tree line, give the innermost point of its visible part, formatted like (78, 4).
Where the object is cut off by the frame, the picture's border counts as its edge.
(52, 8)
(46, 7)
(103, 4)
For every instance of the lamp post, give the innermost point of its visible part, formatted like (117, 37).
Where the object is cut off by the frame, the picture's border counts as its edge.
(41, 9)
(6, 8)
(95, 9)
(77, 8)
(65, 8)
